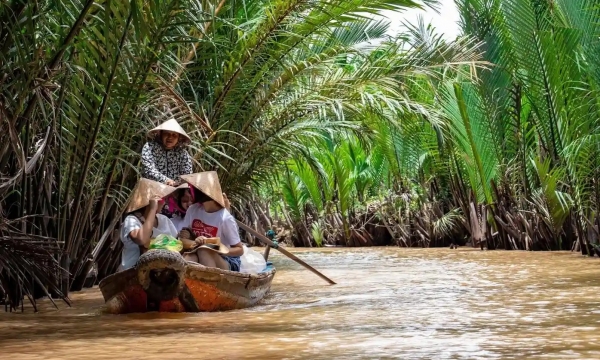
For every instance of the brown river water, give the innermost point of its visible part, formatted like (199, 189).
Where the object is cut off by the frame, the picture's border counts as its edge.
(389, 303)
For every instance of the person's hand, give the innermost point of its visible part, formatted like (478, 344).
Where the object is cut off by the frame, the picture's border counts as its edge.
(171, 182)
(200, 240)
(154, 204)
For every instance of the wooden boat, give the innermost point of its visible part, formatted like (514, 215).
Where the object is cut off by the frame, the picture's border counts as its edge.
(163, 281)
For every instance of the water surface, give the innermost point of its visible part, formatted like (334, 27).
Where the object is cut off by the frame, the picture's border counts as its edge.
(389, 303)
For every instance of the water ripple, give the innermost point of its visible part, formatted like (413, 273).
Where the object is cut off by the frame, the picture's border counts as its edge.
(389, 303)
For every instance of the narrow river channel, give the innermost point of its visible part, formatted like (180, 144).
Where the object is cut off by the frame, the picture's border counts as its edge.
(389, 303)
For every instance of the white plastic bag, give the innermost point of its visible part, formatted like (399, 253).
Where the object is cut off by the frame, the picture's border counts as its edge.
(252, 261)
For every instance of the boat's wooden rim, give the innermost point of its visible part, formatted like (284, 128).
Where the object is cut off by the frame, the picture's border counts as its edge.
(115, 283)
(195, 267)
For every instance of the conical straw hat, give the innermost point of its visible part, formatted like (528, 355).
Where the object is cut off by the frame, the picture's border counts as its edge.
(183, 186)
(170, 125)
(146, 190)
(208, 183)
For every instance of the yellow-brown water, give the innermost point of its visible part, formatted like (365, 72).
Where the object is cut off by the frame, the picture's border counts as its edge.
(389, 303)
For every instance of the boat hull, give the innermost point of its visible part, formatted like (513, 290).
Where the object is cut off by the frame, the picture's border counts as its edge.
(204, 290)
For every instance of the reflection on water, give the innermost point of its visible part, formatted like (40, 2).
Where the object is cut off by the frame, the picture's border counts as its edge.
(389, 303)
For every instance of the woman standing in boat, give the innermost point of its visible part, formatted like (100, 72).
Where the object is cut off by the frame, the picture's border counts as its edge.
(164, 157)
(209, 218)
(143, 220)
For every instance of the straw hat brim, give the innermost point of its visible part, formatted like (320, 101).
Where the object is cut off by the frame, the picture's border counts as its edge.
(146, 190)
(208, 183)
(223, 250)
(170, 125)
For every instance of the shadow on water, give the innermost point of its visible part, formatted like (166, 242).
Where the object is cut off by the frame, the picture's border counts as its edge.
(389, 303)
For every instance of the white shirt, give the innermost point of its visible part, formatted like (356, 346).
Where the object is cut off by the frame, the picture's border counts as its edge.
(131, 250)
(216, 224)
(177, 222)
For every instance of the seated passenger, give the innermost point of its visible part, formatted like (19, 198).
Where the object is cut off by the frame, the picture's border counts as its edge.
(164, 157)
(208, 217)
(142, 220)
(179, 203)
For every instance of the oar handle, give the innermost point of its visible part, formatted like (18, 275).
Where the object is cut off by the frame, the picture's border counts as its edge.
(263, 239)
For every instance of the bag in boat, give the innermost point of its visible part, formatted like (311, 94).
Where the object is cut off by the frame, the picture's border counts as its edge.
(166, 242)
(252, 262)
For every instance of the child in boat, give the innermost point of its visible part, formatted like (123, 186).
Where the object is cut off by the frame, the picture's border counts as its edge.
(164, 157)
(207, 218)
(143, 221)
(180, 202)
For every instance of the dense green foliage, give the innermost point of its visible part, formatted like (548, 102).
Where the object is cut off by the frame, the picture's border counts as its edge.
(507, 156)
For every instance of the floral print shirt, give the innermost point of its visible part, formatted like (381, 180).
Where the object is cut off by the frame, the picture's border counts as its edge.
(160, 165)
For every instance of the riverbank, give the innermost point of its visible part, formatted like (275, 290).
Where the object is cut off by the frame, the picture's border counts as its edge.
(389, 303)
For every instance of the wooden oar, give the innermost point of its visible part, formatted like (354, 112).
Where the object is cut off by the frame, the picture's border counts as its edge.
(263, 239)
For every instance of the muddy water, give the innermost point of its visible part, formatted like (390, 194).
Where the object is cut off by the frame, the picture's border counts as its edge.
(389, 303)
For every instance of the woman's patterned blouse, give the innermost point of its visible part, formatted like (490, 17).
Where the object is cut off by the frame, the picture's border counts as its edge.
(160, 165)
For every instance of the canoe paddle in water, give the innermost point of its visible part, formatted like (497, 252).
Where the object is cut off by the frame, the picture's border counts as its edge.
(263, 239)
